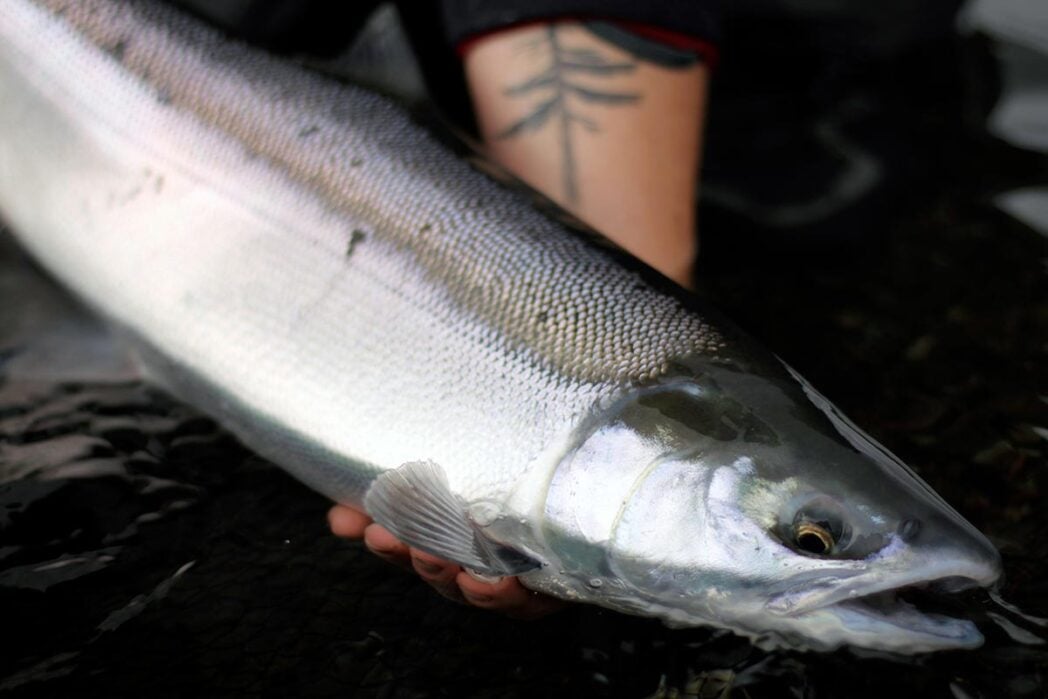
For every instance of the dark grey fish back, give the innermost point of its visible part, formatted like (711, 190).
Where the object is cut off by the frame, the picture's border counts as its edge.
(543, 291)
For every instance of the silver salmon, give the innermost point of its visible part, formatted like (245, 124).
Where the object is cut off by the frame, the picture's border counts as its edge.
(404, 333)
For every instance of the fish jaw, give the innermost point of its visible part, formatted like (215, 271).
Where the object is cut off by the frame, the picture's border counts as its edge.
(883, 624)
(899, 628)
(870, 611)
(858, 606)
(867, 608)
(862, 606)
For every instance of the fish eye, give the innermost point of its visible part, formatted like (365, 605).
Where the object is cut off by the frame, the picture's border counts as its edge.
(819, 528)
(813, 537)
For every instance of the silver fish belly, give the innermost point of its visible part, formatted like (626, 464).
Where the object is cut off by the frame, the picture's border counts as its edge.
(399, 331)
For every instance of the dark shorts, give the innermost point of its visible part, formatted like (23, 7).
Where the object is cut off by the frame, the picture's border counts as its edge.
(440, 29)
(323, 26)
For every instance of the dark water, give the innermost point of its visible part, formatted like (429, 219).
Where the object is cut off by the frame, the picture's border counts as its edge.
(144, 553)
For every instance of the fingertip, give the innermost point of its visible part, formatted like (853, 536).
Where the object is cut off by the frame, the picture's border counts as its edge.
(505, 593)
(483, 577)
(433, 569)
(347, 522)
(508, 596)
(381, 542)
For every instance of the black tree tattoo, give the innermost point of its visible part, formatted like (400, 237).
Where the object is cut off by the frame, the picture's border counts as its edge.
(561, 92)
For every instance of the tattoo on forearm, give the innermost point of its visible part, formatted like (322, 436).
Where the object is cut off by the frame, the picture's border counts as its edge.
(562, 95)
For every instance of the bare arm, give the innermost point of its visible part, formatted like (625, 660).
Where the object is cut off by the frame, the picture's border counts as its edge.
(611, 136)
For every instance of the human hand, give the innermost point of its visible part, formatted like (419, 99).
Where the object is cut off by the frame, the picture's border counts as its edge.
(505, 595)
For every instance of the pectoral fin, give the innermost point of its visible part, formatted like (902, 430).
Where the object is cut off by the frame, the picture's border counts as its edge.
(415, 503)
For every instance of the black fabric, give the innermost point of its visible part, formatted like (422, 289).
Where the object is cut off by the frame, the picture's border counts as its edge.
(317, 27)
(435, 27)
(696, 18)
(325, 27)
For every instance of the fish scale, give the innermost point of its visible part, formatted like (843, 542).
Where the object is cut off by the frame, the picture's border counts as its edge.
(459, 225)
(439, 248)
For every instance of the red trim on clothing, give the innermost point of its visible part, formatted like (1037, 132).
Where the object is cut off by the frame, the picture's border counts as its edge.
(706, 50)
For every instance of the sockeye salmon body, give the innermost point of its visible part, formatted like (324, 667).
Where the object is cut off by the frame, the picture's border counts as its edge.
(399, 331)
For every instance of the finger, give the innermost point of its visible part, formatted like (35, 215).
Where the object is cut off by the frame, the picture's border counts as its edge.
(383, 544)
(440, 574)
(347, 522)
(507, 596)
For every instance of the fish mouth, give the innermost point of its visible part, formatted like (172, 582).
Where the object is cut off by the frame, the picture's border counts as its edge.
(901, 619)
(900, 612)
(912, 618)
